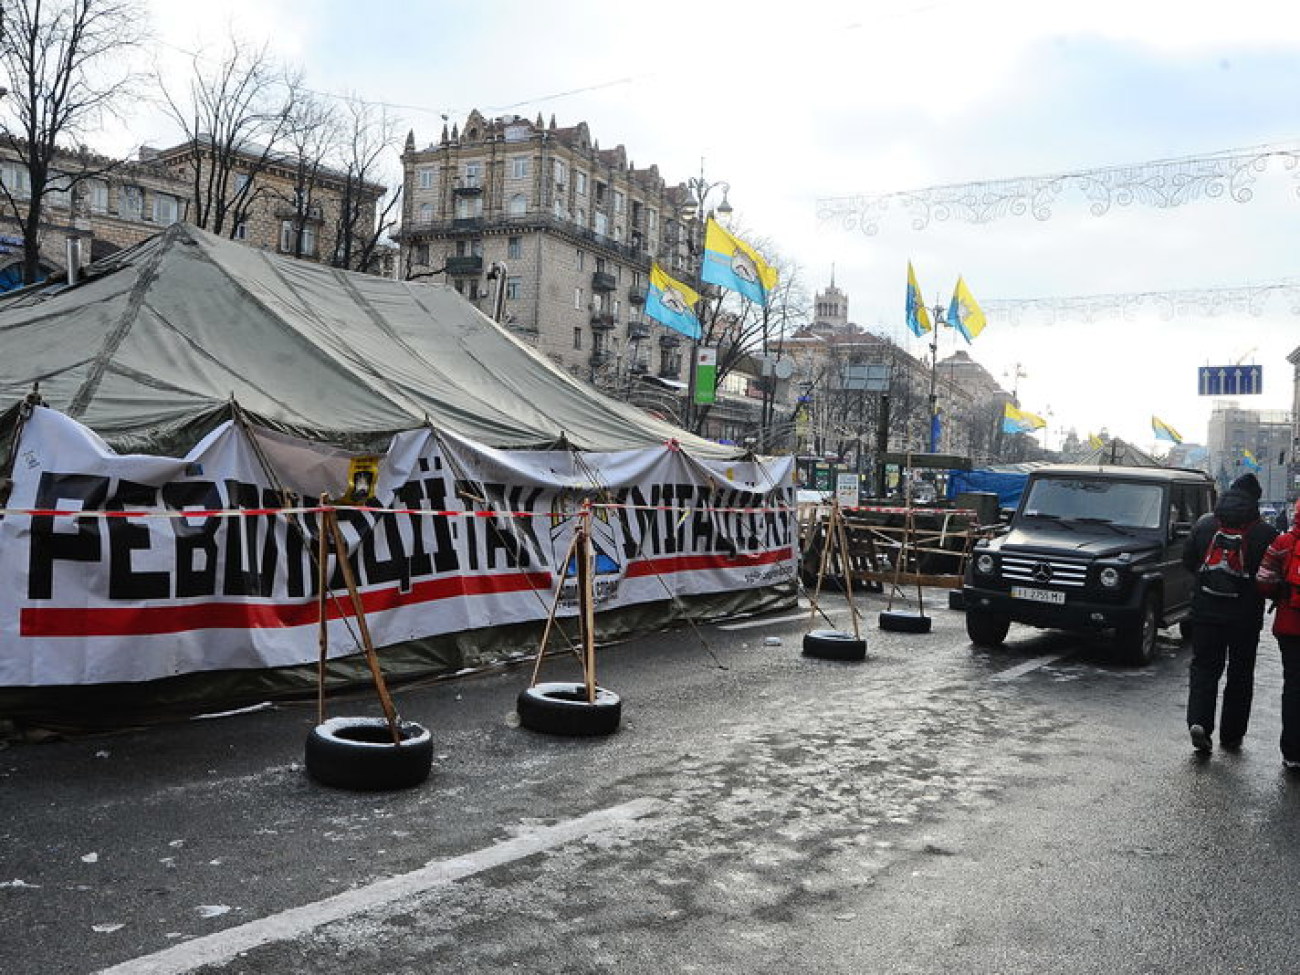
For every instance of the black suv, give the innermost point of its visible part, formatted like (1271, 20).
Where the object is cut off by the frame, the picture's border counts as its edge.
(1090, 548)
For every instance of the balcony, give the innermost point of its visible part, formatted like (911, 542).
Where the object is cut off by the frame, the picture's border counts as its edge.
(467, 264)
(600, 357)
(636, 294)
(636, 331)
(670, 341)
(603, 281)
(468, 188)
(467, 223)
(601, 321)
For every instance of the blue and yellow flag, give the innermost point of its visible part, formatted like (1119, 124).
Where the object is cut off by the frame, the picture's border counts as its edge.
(731, 263)
(1095, 442)
(964, 313)
(1163, 431)
(672, 303)
(1020, 421)
(1249, 460)
(918, 316)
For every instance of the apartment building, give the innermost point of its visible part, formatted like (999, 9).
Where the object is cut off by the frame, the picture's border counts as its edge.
(1259, 441)
(127, 201)
(566, 230)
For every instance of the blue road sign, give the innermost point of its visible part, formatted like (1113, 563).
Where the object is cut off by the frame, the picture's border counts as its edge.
(1230, 380)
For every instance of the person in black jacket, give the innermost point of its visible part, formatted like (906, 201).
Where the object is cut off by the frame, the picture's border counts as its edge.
(1225, 626)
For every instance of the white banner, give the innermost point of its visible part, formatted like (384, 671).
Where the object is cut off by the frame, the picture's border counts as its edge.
(456, 537)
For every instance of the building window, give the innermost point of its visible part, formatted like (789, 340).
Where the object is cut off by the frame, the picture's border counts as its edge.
(426, 213)
(97, 195)
(515, 248)
(473, 174)
(582, 217)
(620, 201)
(425, 178)
(561, 172)
(577, 338)
(241, 231)
(577, 298)
(469, 207)
(131, 204)
(514, 286)
(580, 182)
(518, 205)
(15, 180)
(241, 183)
(582, 260)
(602, 223)
(519, 167)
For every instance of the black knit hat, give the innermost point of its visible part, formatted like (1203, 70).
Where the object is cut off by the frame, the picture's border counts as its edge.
(1247, 484)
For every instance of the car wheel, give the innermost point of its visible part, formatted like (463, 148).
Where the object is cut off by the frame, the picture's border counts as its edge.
(1137, 643)
(359, 753)
(834, 645)
(562, 708)
(897, 621)
(986, 629)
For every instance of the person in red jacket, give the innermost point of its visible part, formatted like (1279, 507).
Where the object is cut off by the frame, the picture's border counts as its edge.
(1271, 581)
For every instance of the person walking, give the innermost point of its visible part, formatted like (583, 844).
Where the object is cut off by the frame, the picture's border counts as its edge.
(1279, 580)
(1223, 553)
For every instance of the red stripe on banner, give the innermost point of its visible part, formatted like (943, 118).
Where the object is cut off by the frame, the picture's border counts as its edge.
(153, 620)
(688, 563)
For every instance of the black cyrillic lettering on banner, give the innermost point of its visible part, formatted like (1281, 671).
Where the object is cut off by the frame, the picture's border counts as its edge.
(395, 568)
(445, 556)
(409, 495)
(242, 576)
(82, 544)
(126, 536)
(196, 544)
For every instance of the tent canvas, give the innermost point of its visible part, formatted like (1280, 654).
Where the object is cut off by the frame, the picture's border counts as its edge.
(200, 396)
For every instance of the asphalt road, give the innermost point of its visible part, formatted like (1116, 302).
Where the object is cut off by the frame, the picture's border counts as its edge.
(932, 809)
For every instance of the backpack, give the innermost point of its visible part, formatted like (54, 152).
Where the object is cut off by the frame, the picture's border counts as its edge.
(1223, 570)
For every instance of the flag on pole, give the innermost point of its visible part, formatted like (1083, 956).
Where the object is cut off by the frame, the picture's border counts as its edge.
(1249, 460)
(918, 316)
(731, 263)
(1095, 442)
(1163, 431)
(964, 313)
(1020, 421)
(672, 303)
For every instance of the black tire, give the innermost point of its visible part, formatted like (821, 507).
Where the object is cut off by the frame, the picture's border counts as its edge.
(897, 621)
(986, 629)
(358, 753)
(834, 645)
(957, 600)
(562, 708)
(1136, 644)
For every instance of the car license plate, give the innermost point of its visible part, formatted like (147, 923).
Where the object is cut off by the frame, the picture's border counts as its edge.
(1037, 595)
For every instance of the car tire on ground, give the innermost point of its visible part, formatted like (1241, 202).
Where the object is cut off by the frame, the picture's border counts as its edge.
(1136, 643)
(986, 629)
(834, 645)
(898, 621)
(562, 708)
(359, 754)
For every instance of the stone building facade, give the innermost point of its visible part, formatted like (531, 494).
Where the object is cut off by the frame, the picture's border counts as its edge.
(571, 230)
(128, 201)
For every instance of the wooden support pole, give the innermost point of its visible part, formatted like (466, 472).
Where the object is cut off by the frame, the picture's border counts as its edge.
(341, 553)
(322, 606)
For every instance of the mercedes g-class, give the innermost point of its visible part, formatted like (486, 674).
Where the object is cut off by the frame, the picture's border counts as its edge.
(1090, 549)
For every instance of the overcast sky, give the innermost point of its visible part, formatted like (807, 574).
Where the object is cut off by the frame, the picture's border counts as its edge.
(793, 103)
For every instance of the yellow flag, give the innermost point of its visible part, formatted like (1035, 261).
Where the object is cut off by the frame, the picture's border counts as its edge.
(964, 313)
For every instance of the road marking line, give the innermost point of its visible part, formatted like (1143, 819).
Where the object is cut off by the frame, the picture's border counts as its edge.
(1013, 672)
(764, 622)
(223, 946)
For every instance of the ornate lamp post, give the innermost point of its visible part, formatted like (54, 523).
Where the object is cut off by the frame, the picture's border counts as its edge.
(695, 213)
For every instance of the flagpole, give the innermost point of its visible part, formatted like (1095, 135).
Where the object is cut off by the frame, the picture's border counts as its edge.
(696, 217)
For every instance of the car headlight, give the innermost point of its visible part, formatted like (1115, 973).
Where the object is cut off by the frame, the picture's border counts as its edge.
(985, 564)
(1109, 577)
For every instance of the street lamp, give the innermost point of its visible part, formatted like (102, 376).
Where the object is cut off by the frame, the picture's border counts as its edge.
(695, 207)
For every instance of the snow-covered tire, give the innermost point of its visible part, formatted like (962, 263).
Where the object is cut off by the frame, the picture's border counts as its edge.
(899, 622)
(358, 753)
(562, 708)
(834, 645)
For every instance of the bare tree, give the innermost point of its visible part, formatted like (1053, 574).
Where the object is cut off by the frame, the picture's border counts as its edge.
(369, 135)
(65, 61)
(235, 120)
(313, 135)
